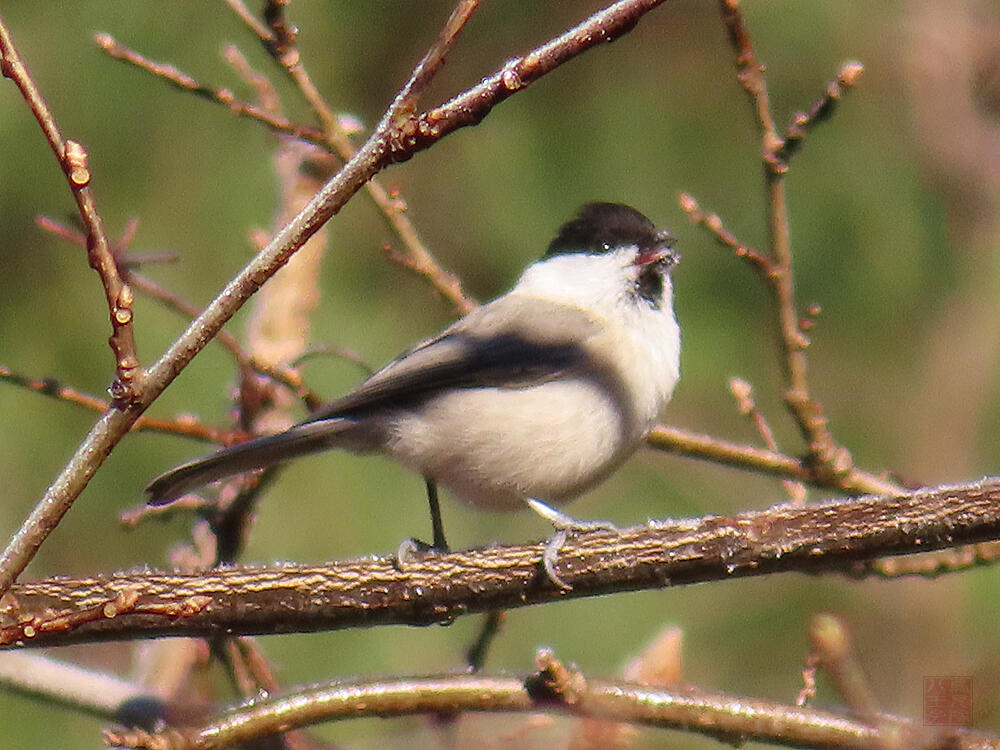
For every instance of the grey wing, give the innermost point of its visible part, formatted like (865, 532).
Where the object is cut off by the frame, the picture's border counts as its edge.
(513, 342)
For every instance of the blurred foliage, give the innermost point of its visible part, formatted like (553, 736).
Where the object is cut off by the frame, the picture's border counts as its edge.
(904, 265)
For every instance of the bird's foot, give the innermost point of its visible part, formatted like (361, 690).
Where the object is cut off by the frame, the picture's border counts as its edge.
(564, 525)
(411, 550)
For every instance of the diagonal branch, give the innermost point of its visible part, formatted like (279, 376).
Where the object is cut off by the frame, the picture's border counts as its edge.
(838, 535)
(225, 97)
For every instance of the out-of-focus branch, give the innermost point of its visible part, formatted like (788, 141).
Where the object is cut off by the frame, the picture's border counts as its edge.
(60, 682)
(837, 535)
(388, 144)
(72, 158)
(713, 714)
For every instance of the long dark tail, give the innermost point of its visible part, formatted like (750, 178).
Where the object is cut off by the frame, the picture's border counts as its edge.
(260, 453)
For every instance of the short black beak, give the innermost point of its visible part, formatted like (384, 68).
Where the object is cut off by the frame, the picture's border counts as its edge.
(662, 252)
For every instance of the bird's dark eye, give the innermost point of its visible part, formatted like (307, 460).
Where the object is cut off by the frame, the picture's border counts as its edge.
(606, 246)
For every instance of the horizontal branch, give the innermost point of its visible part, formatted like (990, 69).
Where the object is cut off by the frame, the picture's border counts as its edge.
(717, 715)
(751, 458)
(838, 535)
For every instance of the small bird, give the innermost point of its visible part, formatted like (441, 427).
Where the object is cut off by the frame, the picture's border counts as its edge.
(530, 399)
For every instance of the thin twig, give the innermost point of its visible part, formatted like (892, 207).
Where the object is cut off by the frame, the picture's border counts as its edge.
(225, 97)
(489, 629)
(417, 257)
(713, 714)
(286, 376)
(752, 458)
(831, 640)
(406, 102)
(833, 536)
(72, 158)
(385, 146)
(821, 110)
(186, 425)
(713, 223)
(934, 564)
(743, 393)
(828, 456)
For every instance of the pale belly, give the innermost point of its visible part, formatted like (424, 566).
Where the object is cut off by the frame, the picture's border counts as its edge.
(567, 437)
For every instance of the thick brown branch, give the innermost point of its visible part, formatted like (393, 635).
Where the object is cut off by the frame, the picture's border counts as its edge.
(714, 714)
(837, 536)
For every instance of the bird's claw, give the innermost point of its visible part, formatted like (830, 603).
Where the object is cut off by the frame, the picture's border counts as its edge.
(412, 549)
(564, 525)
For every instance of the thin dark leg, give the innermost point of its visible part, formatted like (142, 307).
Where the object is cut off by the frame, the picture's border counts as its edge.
(440, 544)
(476, 654)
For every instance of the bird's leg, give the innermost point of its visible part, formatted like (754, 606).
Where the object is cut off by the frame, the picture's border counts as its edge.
(563, 525)
(440, 543)
(408, 548)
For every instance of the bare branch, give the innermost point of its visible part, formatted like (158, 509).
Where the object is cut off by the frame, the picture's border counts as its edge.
(286, 376)
(743, 392)
(225, 97)
(820, 111)
(752, 458)
(186, 425)
(60, 682)
(829, 457)
(834, 651)
(405, 105)
(837, 535)
(72, 158)
(714, 714)
(281, 44)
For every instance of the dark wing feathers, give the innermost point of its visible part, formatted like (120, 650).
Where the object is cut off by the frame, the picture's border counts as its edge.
(518, 342)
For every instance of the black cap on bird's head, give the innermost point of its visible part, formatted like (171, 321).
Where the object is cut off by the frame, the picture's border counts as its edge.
(603, 227)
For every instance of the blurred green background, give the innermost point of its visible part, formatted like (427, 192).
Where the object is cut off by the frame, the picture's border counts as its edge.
(894, 209)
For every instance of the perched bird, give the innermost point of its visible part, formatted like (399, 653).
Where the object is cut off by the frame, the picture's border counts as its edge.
(533, 398)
